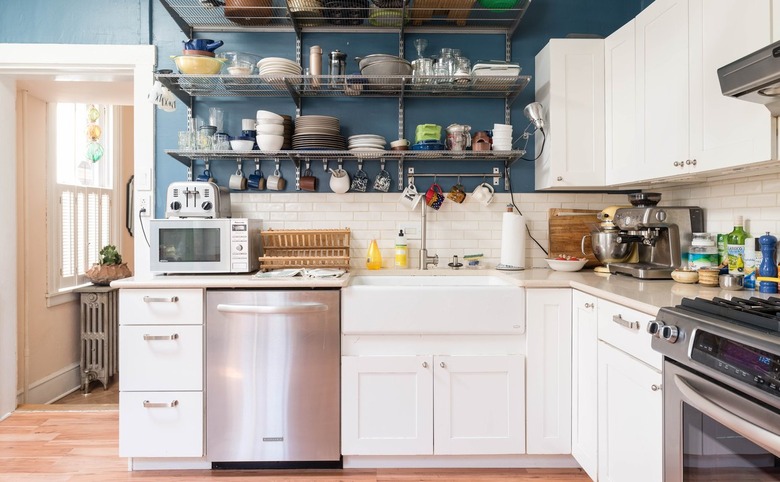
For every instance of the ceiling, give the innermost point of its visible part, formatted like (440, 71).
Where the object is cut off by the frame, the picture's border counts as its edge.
(96, 88)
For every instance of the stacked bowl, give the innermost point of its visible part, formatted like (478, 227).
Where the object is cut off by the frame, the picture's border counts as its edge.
(502, 137)
(270, 131)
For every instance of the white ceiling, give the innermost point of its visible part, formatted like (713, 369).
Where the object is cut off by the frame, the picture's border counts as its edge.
(78, 89)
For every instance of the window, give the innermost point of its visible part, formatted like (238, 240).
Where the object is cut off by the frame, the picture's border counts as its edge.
(82, 201)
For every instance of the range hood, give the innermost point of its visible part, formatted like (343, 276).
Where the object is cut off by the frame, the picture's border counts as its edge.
(754, 78)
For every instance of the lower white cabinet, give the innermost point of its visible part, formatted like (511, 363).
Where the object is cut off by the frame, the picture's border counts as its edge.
(548, 334)
(584, 369)
(630, 418)
(161, 352)
(433, 405)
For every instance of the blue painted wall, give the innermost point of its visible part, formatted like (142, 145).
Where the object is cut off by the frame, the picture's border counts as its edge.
(145, 21)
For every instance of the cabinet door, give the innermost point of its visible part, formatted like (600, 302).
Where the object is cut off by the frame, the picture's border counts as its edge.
(161, 424)
(479, 405)
(622, 163)
(584, 367)
(548, 331)
(662, 87)
(724, 131)
(570, 85)
(630, 418)
(387, 405)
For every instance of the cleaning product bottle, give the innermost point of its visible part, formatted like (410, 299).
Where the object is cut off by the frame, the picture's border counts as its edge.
(401, 251)
(374, 258)
(735, 246)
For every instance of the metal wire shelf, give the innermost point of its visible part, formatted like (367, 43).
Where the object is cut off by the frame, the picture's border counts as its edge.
(466, 16)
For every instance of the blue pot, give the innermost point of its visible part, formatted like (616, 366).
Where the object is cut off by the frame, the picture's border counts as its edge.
(202, 44)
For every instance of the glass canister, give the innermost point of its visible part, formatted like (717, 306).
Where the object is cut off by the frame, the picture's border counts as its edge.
(703, 252)
(337, 66)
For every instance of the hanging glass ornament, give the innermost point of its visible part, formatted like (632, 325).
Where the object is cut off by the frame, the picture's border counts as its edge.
(84, 173)
(94, 151)
(93, 132)
(93, 114)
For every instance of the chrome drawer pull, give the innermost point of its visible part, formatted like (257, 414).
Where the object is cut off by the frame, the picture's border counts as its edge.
(148, 404)
(175, 336)
(291, 309)
(151, 299)
(632, 325)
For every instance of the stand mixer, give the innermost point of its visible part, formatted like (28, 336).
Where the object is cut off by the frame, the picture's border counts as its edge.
(603, 244)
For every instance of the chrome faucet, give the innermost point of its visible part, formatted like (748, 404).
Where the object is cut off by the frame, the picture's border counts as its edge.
(425, 260)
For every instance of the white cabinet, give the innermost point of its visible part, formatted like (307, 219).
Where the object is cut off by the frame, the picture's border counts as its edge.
(161, 388)
(548, 332)
(622, 161)
(584, 369)
(441, 405)
(630, 418)
(630, 403)
(684, 125)
(570, 85)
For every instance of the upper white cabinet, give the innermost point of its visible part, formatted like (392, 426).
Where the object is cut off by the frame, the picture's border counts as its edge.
(570, 85)
(684, 125)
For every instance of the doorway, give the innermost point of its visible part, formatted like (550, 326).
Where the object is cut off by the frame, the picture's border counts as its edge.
(58, 62)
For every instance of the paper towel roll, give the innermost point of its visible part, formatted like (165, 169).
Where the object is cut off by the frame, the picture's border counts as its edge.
(512, 241)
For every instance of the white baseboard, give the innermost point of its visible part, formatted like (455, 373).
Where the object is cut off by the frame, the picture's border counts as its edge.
(460, 461)
(54, 386)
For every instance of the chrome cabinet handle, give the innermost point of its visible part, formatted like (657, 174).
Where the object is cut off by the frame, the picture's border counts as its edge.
(152, 299)
(631, 325)
(691, 162)
(655, 387)
(559, 178)
(273, 310)
(425, 364)
(175, 336)
(148, 404)
(442, 365)
(590, 305)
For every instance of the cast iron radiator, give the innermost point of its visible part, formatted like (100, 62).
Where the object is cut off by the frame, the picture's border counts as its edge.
(99, 326)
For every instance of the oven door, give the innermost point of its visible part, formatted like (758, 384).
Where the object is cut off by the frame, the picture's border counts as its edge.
(713, 432)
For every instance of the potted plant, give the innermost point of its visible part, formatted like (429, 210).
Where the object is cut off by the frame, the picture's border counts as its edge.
(109, 268)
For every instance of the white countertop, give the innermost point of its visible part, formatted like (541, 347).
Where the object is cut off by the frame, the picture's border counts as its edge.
(646, 296)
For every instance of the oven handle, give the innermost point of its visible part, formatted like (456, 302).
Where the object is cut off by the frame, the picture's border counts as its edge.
(761, 436)
(291, 309)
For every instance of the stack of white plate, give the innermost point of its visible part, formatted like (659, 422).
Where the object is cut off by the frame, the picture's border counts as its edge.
(278, 67)
(502, 137)
(367, 143)
(318, 132)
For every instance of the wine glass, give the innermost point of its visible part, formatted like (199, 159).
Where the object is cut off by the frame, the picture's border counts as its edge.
(420, 45)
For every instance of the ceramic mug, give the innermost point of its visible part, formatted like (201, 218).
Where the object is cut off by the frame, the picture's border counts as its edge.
(256, 181)
(434, 197)
(360, 181)
(410, 197)
(308, 181)
(400, 145)
(339, 181)
(483, 193)
(382, 181)
(276, 182)
(205, 176)
(237, 181)
(457, 193)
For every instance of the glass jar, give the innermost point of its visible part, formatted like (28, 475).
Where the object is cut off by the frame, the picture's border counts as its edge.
(703, 253)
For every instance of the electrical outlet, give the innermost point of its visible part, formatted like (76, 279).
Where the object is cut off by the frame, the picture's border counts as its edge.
(144, 204)
(411, 231)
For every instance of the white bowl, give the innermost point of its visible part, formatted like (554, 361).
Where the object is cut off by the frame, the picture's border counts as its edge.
(269, 142)
(269, 117)
(566, 265)
(241, 145)
(273, 129)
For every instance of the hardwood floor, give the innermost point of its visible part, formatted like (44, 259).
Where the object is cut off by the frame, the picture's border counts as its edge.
(76, 443)
(96, 394)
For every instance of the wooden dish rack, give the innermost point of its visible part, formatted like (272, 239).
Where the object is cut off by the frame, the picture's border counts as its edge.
(305, 248)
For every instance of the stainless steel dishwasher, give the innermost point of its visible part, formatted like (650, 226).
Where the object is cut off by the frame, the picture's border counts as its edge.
(272, 378)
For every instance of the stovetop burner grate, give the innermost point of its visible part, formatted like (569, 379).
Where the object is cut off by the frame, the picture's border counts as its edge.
(756, 313)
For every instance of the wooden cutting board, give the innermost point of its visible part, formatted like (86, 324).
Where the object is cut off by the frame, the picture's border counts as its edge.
(565, 229)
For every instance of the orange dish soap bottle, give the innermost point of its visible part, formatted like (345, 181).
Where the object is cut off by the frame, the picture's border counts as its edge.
(374, 258)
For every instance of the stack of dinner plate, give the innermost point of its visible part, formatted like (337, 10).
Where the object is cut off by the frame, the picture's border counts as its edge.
(278, 67)
(318, 132)
(367, 143)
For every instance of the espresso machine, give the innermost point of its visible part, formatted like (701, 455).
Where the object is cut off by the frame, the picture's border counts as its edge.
(661, 236)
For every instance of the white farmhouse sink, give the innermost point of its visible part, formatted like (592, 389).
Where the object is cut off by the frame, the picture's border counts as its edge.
(408, 304)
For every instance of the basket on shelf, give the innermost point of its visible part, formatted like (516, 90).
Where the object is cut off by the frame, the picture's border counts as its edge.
(305, 248)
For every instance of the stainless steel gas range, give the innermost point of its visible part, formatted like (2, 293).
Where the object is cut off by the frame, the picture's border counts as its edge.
(721, 388)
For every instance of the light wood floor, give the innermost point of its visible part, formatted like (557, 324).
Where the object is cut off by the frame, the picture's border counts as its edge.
(76, 444)
(96, 395)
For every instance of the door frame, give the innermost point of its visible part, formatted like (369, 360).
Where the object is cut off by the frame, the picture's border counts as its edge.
(53, 60)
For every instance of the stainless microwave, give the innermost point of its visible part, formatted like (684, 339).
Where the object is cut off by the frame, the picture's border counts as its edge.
(220, 245)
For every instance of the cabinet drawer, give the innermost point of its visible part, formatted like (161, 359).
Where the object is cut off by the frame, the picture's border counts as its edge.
(161, 307)
(161, 357)
(626, 330)
(161, 424)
